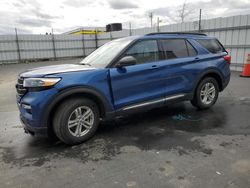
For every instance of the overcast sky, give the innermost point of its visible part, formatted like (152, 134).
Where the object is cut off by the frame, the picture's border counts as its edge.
(38, 17)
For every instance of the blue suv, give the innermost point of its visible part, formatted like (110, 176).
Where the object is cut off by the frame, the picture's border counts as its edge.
(123, 76)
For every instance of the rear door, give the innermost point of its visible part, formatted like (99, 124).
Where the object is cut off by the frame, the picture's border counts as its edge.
(141, 82)
(180, 60)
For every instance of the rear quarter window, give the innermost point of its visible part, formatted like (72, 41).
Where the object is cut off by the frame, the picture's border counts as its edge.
(212, 45)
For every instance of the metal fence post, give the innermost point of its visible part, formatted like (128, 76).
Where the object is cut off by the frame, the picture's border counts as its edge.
(83, 45)
(96, 42)
(130, 29)
(245, 39)
(110, 33)
(53, 42)
(18, 47)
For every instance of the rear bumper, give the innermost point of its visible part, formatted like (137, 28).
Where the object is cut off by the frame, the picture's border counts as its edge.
(226, 82)
(42, 131)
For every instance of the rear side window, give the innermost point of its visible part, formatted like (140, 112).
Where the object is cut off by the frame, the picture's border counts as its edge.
(212, 45)
(177, 48)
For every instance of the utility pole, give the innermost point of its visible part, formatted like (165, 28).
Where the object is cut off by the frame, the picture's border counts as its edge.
(200, 22)
(151, 18)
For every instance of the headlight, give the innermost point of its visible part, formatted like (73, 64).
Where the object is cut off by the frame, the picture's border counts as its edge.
(40, 82)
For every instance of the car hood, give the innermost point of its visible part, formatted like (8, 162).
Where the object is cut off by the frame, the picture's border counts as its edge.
(54, 69)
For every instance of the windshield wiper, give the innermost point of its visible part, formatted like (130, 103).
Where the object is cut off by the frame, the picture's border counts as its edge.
(85, 64)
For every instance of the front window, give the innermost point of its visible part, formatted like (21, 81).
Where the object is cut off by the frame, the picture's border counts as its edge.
(103, 55)
(144, 51)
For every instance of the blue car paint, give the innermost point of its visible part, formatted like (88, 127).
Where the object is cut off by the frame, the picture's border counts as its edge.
(126, 86)
(38, 101)
(95, 79)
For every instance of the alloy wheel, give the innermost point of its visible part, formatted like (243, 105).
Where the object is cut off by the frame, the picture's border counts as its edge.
(80, 121)
(207, 93)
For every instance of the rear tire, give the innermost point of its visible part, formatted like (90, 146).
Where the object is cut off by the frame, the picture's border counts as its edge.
(206, 94)
(76, 120)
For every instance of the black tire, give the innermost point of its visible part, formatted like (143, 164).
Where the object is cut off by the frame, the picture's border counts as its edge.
(62, 115)
(197, 101)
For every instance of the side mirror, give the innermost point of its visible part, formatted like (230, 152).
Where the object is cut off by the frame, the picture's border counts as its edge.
(126, 61)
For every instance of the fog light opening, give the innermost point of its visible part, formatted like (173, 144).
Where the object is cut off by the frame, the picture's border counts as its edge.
(27, 107)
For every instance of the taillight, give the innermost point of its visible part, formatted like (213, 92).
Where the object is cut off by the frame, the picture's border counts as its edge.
(228, 59)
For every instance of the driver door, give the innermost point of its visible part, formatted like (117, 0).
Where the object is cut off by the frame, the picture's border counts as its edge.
(142, 82)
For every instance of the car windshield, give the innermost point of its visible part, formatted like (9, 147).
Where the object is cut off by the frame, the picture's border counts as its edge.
(103, 55)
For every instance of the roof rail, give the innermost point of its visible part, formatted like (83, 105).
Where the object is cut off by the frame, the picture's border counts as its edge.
(177, 33)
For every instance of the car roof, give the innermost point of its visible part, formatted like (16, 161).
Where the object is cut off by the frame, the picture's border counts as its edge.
(176, 35)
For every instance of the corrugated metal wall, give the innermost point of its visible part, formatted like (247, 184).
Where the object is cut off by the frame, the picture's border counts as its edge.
(233, 32)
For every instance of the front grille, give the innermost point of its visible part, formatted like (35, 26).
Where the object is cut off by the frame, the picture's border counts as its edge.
(19, 87)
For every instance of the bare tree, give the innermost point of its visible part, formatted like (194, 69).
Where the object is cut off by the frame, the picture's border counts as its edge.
(183, 11)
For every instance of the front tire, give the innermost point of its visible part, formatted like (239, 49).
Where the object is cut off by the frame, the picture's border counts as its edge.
(76, 120)
(206, 93)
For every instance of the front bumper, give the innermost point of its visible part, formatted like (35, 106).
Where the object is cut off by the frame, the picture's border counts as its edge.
(32, 117)
(42, 131)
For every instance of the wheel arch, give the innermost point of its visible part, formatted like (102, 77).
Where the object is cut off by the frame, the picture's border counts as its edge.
(102, 102)
(211, 73)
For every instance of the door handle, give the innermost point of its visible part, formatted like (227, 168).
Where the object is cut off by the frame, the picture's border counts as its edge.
(154, 67)
(197, 59)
